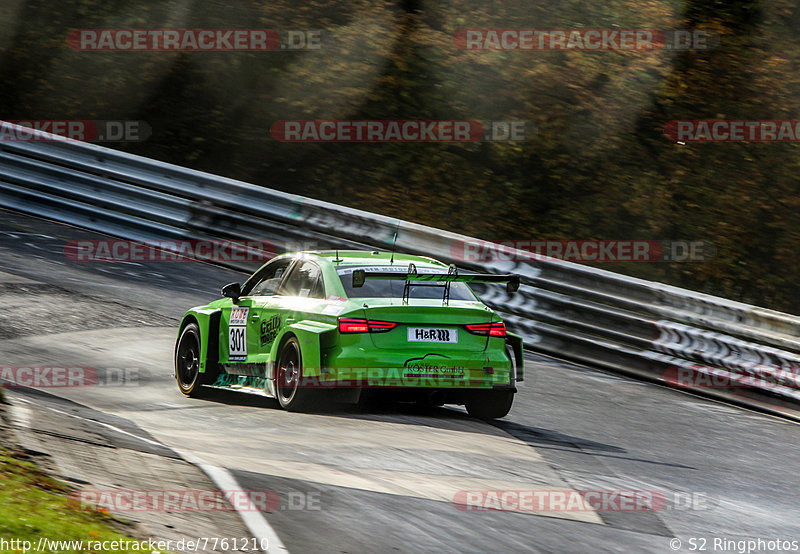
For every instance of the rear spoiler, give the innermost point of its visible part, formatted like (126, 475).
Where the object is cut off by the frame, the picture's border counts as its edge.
(433, 279)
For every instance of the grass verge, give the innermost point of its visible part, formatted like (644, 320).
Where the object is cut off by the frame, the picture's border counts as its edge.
(34, 505)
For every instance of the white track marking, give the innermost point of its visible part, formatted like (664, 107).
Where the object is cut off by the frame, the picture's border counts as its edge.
(222, 478)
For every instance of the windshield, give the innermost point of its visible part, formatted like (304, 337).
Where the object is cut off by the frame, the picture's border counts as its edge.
(382, 288)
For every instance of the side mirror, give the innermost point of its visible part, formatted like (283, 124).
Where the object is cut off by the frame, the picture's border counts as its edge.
(513, 284)
(232, 290)
(359, 276)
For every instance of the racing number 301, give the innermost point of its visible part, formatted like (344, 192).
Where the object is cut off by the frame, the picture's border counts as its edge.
(237, 341)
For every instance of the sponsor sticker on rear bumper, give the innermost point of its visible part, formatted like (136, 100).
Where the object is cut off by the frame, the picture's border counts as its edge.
(427, 334)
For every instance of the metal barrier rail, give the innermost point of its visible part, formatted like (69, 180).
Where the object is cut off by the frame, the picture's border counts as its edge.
(718, 347)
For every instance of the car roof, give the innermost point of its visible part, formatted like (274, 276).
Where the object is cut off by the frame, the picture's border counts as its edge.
(348, 258)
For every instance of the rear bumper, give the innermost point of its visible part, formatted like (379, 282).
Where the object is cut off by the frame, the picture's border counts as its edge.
(357, 368)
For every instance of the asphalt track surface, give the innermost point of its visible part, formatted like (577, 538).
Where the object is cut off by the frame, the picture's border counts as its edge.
(383, 478)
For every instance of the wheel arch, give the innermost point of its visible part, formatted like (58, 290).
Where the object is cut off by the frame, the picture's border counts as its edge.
(309, 336)
(207, 321)
(515, 341)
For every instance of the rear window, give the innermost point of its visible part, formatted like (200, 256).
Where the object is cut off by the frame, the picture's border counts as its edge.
(380, 288)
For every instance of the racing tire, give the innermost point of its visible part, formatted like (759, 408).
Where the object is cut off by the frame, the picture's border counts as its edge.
(491, 404)
(187, 363)
(288, 376)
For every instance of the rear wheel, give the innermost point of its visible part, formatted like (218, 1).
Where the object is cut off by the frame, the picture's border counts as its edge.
(187, 362)
(490, 404)
(289, 376)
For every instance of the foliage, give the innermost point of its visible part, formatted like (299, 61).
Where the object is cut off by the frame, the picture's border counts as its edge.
(599, 166)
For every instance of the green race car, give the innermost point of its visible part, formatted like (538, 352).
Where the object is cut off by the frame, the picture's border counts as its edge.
(350, 323)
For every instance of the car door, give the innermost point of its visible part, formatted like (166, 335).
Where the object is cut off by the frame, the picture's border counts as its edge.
(243, 322)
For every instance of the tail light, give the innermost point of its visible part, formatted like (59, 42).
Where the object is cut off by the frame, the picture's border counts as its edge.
(492, 329)
(356, 325)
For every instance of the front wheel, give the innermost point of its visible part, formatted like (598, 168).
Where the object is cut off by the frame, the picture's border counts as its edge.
(288, 378)
(490, 404)
(187, 362)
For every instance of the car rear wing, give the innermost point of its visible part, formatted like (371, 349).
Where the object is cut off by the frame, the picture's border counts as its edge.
(413, 277)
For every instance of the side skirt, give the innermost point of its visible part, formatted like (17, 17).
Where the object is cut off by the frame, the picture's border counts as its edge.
(245, 383)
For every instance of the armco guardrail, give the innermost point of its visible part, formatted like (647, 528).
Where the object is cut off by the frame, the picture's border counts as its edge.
(711, 345)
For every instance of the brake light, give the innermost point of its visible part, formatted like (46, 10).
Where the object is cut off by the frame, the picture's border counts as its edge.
(351, 325)
(380, 326)
(356, 325)
(492, 329)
